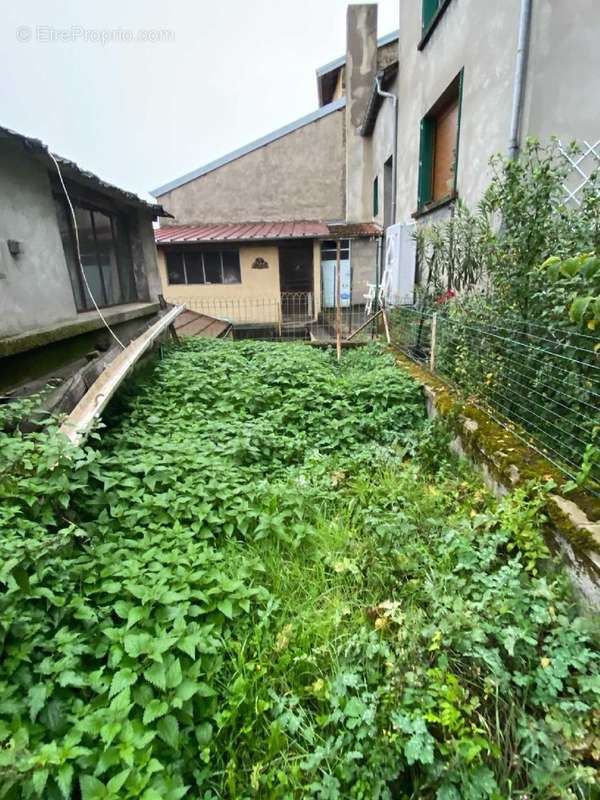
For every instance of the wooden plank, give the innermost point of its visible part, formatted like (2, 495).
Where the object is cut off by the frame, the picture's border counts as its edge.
(77, 425)
(364, 325)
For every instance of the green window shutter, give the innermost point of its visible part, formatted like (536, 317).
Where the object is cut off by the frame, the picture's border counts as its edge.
(426, 161)
(376, 196)
(428, 11)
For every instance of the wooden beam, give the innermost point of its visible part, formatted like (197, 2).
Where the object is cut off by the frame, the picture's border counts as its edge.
(338, 310)
(386, 325)
(372, 318)
(77, 425)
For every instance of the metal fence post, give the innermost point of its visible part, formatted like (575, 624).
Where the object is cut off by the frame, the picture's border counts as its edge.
(433, 342)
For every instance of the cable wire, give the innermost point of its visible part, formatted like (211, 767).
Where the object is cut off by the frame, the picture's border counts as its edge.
(78, 251)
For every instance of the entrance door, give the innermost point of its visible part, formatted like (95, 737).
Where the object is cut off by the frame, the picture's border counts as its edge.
(328, 265)
(296, 278)
(296, 267)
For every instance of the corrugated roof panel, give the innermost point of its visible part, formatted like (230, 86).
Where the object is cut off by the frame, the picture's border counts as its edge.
(261, 231)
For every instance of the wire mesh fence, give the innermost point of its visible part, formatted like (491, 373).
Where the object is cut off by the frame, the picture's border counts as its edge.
(543, 379)
(286, 316)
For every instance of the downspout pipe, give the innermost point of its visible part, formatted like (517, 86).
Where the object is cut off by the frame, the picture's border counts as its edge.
(394, 100)
(519, 79)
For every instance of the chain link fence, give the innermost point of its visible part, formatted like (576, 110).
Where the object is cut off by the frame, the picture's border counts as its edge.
(544, 382)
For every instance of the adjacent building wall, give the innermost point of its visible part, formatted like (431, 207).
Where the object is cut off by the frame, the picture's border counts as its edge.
(382, 140)
(35, 289)
(363, 260)
(563, 71)
(299, 176)
(480, 38)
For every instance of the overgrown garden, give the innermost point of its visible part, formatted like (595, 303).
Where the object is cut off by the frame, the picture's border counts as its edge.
(515, 284)
(269, 578)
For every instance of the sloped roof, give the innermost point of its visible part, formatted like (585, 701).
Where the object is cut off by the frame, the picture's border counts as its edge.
(239, 231)
(341, 60)
(262, 231)
(73, 171)
(248, 148)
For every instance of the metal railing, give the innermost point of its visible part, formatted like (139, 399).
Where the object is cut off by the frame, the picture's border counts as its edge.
(289, 315)
(545, 380)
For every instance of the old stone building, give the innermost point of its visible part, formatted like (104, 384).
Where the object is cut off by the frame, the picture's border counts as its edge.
(49, 326)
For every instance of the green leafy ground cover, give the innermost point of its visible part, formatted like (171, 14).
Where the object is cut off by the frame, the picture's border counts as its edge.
(270, 579)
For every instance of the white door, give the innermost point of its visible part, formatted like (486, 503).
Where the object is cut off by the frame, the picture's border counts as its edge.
(400, 262)
(328, 264)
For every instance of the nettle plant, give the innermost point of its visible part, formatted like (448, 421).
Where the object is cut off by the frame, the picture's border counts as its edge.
(269, 577)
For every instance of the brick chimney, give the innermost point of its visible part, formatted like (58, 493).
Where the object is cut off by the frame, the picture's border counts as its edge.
(361, 67)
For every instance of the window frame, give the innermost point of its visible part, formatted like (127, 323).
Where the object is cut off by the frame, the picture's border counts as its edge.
(430, 18)
(425, 201)
(182, 253)
(118, 221)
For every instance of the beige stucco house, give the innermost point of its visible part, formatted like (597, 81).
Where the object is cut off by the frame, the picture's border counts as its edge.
(253, 234)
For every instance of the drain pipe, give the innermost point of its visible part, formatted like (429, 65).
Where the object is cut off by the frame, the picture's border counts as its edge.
(519, 81)
(394, 100)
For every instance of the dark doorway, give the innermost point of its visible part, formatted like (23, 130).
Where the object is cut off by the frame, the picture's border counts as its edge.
(296, 278)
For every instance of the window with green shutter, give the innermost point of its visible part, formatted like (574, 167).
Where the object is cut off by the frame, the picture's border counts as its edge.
(431, 13)
(429, 10)
(438, 147)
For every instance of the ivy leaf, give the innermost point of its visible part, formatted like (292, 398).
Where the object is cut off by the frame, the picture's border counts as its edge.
(155, 708)
(168, 730)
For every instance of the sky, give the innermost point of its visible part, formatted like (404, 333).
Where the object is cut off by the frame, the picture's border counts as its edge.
(142, 91)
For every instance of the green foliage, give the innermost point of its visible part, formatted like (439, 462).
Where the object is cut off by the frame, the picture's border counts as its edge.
(270, 579)
(522, 337)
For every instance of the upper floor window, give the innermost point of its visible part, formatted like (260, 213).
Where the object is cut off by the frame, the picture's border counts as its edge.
(203, 266)
(105, 256)
(431, 13)
(438, 156)
(329, 250)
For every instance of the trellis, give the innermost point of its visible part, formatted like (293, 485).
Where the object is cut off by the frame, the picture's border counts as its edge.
(584, 163)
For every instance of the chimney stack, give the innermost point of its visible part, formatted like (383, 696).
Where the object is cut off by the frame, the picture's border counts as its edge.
(361, 67)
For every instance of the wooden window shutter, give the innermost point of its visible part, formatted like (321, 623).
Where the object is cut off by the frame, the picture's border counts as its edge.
(425, 189)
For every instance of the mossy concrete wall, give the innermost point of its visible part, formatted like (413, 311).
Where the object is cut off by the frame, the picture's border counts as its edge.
(506, 462)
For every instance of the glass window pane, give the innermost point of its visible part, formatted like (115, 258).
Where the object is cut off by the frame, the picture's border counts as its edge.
(193, 267)
(231, 266)
(68, 242)
(107, 257)
(89, 259)
(125, 263)
(175, 272)
(212, 267)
